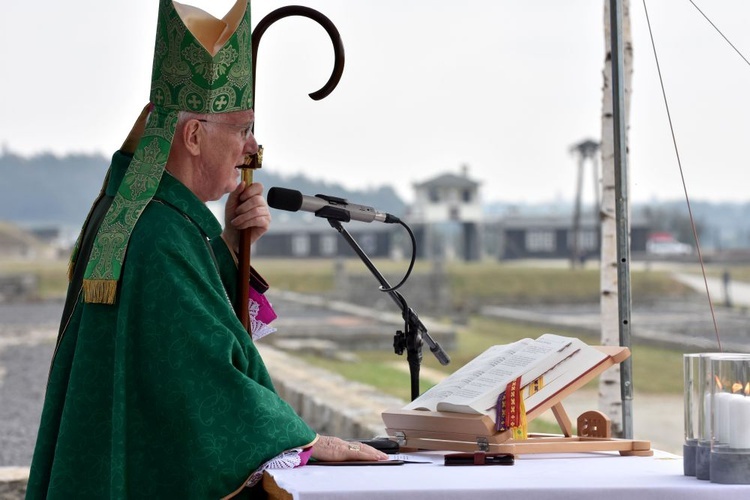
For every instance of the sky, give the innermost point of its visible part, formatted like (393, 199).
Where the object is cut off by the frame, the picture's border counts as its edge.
(505, 87)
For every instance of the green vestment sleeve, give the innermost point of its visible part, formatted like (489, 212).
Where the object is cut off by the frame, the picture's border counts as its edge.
(163, 394)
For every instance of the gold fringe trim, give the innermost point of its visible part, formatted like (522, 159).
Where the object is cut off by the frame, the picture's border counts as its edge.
(71, 268)
(99, 291)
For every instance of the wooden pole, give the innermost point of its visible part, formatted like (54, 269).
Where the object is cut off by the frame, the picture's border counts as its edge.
(252, 163)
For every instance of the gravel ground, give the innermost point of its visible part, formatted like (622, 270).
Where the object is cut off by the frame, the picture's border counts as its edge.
(27, 340)
(21, 396)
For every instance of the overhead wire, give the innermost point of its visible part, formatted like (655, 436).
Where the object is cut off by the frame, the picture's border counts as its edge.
(720, 33)
(679, 163)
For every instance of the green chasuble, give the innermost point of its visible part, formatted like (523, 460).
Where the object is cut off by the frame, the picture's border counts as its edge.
(163, 394)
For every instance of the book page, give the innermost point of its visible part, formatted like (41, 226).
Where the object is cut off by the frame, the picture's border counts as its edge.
(479, 394)
(582, 360)
(460, 381)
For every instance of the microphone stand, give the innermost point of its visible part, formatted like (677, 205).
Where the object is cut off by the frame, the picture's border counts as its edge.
(414, 330)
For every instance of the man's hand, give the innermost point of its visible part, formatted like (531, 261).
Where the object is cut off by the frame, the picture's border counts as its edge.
(246, 208)
(333, 449)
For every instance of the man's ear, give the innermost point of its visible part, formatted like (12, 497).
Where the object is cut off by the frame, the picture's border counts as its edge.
(192, 137)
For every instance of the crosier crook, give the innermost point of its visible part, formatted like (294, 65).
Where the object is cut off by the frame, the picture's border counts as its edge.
(253, 162)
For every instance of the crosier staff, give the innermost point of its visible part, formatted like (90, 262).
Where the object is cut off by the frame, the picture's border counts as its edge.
(253, 162)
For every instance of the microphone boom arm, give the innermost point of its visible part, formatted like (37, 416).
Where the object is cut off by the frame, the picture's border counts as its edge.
(414, 330)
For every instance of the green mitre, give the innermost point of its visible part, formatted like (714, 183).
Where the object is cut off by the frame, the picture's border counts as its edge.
(186, 76)
(202, 65)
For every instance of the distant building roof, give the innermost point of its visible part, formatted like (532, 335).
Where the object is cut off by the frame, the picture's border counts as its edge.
(448, 180)
(316, 225)
(555, 221)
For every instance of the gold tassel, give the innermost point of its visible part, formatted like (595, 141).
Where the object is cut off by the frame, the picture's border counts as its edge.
(99, 291)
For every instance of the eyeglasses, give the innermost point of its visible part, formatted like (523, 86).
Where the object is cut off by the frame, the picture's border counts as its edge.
(245, 130)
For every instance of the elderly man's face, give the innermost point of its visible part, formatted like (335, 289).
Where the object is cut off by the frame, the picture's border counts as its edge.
(229, 140)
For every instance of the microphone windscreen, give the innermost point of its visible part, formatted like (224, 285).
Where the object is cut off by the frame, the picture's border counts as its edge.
(284, 199)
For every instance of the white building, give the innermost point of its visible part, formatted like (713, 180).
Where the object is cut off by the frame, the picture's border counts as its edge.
(447, 217)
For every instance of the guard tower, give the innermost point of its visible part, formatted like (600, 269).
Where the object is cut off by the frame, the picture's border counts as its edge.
(447, 216)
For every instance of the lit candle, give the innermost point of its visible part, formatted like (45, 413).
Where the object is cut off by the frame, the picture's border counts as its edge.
(721, 421)
(739, 423)
(706, 436)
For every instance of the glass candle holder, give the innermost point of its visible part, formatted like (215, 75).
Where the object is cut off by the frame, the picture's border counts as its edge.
(730, 419)
(692, 411)
(703, 383)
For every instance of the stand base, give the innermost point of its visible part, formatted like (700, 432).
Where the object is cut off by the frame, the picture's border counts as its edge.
(538, 443)
(729, 466)
(689, 452)
(438, 431)
(703, 461)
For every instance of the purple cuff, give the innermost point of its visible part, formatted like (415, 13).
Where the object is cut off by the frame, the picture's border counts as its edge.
(265, 311)
(304, 456)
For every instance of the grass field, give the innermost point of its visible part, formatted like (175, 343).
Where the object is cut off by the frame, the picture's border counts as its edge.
(656, 370)
(487, 282)
(51, 275)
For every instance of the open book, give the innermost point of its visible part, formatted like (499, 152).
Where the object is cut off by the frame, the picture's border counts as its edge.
(545, 365)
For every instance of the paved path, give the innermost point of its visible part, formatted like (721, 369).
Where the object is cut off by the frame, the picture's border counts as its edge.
(689, 323)
(738, 292)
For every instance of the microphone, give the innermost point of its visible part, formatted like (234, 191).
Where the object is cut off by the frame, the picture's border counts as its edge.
(329, 207)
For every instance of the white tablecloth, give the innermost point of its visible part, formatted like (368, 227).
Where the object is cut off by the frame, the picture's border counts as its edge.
(585, 476)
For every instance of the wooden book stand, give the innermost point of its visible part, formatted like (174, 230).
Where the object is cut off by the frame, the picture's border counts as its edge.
(430, 430)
